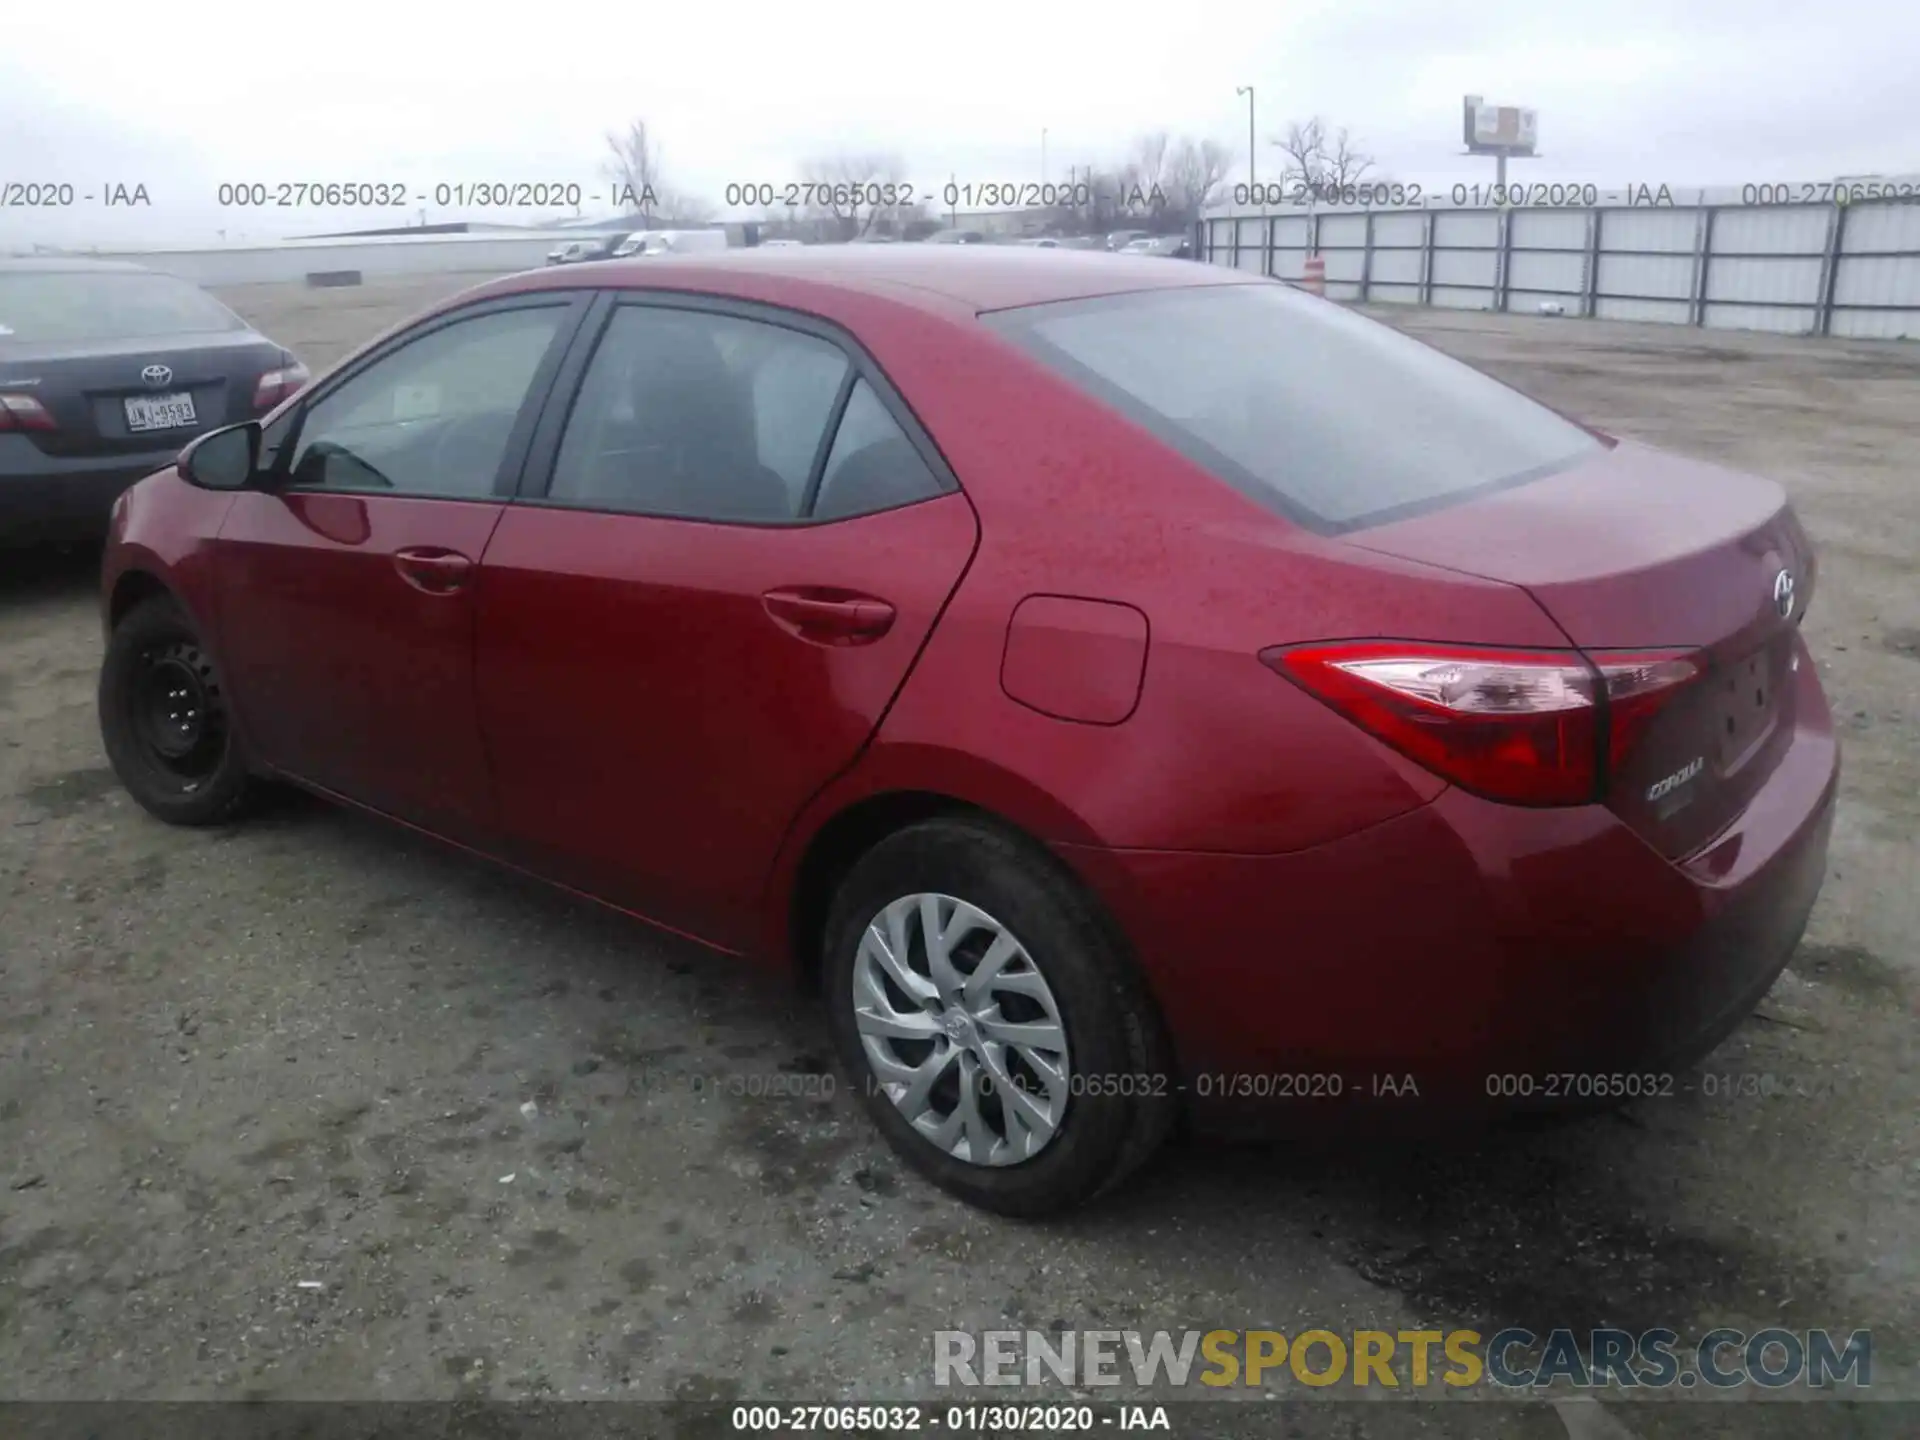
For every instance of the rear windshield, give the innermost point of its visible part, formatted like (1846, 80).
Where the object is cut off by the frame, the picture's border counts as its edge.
(73, 305)
(1333, 419)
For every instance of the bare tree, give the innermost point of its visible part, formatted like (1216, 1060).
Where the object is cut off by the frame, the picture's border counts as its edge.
(1149, 159)
(1318, 159)
(633, 165)
(1346, 163)
(852, 190)
(1194, 173)
(1163, 184)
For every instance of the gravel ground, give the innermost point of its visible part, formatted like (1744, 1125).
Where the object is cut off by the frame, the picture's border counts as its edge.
(315, 1109)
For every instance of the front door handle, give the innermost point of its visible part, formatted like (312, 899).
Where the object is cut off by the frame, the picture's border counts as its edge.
(432, 569)
(827, 616)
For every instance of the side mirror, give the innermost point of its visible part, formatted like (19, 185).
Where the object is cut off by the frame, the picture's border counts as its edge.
(226, 459)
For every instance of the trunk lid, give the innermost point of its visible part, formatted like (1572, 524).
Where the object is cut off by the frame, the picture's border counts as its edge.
(1640, 551)
(87, 386)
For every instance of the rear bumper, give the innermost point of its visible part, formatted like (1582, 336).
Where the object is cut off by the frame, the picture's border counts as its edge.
(1494, 957)
(50, 498)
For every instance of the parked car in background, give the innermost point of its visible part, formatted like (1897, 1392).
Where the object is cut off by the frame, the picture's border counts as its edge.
(1041, 242)
(957, 237)
(106, 370)
(670, 242)
(781, 244)
(1121, 239)
(1175, 246)
(598, 247)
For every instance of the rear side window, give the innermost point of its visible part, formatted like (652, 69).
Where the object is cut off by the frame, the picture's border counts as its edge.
(1330, 418)
(872, 466)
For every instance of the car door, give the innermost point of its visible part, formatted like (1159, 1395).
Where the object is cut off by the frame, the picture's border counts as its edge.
(345, 584)
(731, 543)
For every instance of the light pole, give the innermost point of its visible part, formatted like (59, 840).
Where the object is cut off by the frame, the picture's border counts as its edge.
(1247, 90)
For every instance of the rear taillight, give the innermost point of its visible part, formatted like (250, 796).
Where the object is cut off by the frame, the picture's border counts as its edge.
(277, 385)
(23, 412)
(1528, 727)
(1638, 688)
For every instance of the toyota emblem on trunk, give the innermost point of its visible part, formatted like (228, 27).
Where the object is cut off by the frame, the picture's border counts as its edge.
(1783, 593)
(156, 375)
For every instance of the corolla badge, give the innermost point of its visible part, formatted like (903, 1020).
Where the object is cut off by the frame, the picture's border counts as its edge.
(1674, 781)
(1783, 593)
(156, 375)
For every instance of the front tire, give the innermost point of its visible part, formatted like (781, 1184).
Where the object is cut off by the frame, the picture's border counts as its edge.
(165, 720)
(991, 1022)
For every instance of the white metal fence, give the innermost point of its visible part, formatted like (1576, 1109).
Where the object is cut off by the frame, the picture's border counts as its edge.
(370, 257)
(1829, 258)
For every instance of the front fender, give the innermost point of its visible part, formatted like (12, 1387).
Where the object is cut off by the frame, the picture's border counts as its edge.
(161, 534)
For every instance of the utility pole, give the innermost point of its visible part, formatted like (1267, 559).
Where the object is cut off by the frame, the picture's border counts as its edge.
(1247, 90)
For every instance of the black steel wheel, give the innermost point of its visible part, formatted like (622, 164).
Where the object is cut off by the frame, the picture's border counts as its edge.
(165, 720)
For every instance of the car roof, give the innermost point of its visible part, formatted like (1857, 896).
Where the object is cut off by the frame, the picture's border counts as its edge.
(936, 277)
(70, 264)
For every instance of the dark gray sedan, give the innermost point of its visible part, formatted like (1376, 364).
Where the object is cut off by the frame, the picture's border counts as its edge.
(106, 370)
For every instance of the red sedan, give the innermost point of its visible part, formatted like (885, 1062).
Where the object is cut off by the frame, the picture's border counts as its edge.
(1115, 687)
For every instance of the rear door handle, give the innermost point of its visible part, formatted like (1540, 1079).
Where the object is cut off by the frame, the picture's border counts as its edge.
(829, 617)
(432, 569)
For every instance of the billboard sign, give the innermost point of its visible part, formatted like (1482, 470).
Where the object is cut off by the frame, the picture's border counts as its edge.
(1499, 129)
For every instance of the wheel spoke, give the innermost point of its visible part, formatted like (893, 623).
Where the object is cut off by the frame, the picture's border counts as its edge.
(980, 1139)
(896, 1024)
(880, 949)
(1013, 1096)
(939, 954)
(1038, 1034)
(926, 1075)
(899, 943)
(992, 965)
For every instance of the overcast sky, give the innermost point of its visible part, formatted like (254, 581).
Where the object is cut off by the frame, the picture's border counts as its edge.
(1686, 92)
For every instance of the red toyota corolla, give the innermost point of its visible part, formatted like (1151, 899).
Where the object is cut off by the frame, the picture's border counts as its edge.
(1114, 685)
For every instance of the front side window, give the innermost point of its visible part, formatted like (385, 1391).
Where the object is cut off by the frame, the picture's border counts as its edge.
(432, 418)
(1321, 414)
(698, 415)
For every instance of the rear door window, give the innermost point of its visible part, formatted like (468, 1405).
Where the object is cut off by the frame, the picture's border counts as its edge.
(698, 415)
(1332, 419)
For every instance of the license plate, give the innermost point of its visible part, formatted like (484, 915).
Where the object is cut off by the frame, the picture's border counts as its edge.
(160, 412)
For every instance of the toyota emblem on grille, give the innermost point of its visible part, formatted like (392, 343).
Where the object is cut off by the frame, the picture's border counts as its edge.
(156, 375)
(1783, 593)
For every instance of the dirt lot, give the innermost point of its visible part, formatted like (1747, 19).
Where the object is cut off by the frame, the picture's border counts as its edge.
(314, 1049)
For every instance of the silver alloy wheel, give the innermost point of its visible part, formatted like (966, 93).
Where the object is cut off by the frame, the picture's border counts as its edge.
(961, 1029)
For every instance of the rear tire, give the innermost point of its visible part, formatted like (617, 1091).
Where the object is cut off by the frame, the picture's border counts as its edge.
(1029, 950)
(165, 721)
